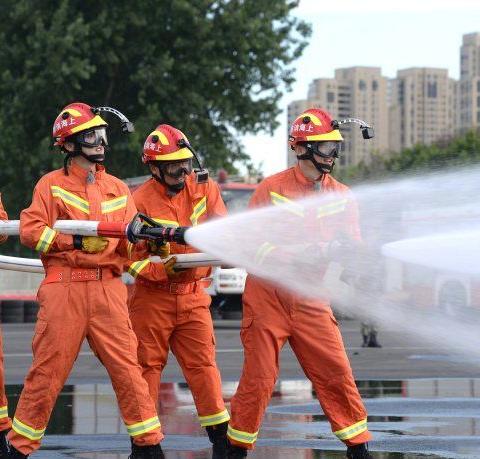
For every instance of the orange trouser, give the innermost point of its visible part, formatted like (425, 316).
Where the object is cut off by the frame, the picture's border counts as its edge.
(271, 317)
(182, 323)
(5, 421)
(69, 312)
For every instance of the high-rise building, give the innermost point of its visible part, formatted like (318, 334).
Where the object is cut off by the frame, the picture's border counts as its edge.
(469, 91)
(359, 92)
(422, 107)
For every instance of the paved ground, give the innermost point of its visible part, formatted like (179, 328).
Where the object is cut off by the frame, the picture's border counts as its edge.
(401, 357)
(422, 402)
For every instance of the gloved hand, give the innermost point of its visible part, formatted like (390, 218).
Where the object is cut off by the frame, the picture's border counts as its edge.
(169, 268)
(162, 250)
(90, 244)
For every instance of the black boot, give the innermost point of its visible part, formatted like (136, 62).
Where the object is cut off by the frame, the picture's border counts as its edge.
(218, 436)
(372, 342)
(14, 454)
(236, 452)
(358, 452)
(146, 452)
(3, 445)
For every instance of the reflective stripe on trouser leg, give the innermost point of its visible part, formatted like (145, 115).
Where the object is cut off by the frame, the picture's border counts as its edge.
(111, 336)
(214, 419)
(326, 364)
(56, 343)
(134, 430)
(5, 421)
(26, 431)
(352, 431)
(241, 437)
(193, 343)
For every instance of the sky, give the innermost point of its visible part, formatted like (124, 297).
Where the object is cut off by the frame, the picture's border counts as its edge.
(391, 34)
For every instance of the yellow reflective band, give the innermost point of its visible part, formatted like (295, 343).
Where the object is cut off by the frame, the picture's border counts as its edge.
(262, 252)
(72, 111)
(161, 136)
(240, 436)
(94, 122)
(214, 419)
(199, 209)
(136, 267)
(3, 412)
(26, 431)
(71, 199)
(46, 239)
(114, 204)
(332, 135)
(183, 153)
(129, 250)
(352, 431)
(279, 200)
(331, 208)
(143, 427)
(315, 119)
(169, 223)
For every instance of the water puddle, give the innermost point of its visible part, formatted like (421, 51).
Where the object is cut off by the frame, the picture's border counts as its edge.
(408, 418)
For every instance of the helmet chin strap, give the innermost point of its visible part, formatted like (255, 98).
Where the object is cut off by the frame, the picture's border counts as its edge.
(173, 189)
(78, 151)
(322, 168)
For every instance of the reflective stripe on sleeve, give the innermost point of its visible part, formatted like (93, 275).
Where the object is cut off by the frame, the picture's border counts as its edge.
(3, 412)
(137, 267)
(46, 239)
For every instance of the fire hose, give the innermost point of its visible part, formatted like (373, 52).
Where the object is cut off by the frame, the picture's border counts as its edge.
(140, 228)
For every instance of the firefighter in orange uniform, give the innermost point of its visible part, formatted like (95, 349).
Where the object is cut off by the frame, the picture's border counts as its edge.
(82, 295)
(271, 316)
(5, 421)
(168, 309)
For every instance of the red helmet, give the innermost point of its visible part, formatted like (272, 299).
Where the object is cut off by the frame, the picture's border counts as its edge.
(313, 125)
(166, 143)
(74, 118)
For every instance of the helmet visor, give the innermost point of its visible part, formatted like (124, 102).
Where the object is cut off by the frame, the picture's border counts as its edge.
(93, 137)
(329, 149)
(176, 169)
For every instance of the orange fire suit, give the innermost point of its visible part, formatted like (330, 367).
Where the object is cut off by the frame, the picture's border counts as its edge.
(175, 314)
(81, 296)
(271, 316)
(5, 421)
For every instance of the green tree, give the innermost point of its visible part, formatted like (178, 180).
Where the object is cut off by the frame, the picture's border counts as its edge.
(215, 69)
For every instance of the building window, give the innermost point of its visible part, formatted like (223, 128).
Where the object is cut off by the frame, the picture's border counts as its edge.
(478, 85)
(362, 85)
(330, 97)
(374, 85)
(432, 90)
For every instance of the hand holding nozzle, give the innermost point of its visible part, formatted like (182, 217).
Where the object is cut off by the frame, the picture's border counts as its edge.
(143, 227)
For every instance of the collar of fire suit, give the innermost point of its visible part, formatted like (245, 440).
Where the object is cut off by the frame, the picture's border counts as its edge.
(307, 182)
(82, 173)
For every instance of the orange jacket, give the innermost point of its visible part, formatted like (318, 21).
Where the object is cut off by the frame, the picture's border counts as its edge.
(3, 216)
(69, 197)
(291, 185)
(192, 206)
